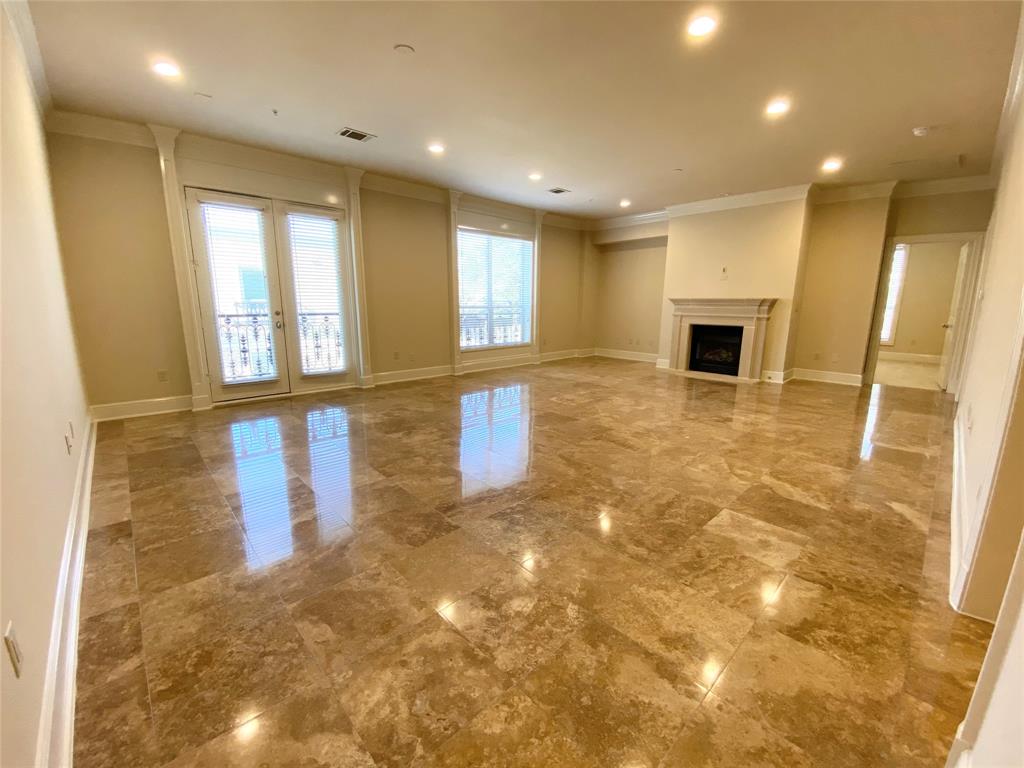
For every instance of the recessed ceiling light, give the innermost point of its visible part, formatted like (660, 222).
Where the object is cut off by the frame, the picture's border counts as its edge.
(167, 69)
(921, 130)
(404, 48)
(777, 107)
(624, 203)
(436, 148)
(536, 176)
(701, 26)
(832, 164)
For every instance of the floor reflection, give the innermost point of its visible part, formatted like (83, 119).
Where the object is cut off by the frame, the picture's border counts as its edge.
(263, 490)
(330, 469)
(495, 442)
(866, 443)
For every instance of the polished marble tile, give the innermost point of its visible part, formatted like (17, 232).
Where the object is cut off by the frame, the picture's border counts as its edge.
(410, 696)
(536, 566)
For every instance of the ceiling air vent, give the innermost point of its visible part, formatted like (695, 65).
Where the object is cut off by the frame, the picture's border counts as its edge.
(558, 190)
(356, 134)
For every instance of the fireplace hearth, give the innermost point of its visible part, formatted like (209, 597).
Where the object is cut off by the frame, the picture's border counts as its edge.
(716, 348)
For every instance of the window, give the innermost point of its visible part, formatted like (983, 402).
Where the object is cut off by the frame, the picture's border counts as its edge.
(895, 292)
(495, 290)
(316, 266)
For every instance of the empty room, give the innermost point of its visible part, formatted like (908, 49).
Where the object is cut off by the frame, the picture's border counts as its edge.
(511, 384)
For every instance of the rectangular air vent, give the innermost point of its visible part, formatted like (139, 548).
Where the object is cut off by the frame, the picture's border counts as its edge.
(356, 134)
(558, 190)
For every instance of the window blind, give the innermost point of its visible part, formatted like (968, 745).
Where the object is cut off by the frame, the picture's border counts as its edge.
(316, 266)
(238, 273)
(495, 290)
(894, 293)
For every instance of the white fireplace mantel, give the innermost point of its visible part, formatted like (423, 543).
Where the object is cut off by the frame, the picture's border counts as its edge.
(750, 314)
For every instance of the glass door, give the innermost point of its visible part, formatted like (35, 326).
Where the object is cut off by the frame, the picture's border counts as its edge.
(239, 294)
(318, 301)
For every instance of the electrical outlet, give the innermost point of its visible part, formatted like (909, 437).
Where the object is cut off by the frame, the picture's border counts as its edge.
(161, 375)
(396, 355)
(13, 649)
(725, 273)
(817, 355)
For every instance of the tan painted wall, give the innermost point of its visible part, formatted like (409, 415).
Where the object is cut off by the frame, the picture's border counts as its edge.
(117, 258)
(559, 279)
(927, 293)
(632, 277)
(759, 246)
(405, 249)
(41, 392)
(991, 376)
(845, 245)
(590, 299)
(934, 214)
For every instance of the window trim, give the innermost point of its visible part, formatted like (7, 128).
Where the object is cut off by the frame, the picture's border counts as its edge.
(488, 217)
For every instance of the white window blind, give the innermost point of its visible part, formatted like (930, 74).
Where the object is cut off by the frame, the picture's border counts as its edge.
(316, 265)
(238, 272)
(495, 290)
(894, 293)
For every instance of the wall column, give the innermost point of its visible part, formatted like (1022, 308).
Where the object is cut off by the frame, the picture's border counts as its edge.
(354, 177)
(184, 267)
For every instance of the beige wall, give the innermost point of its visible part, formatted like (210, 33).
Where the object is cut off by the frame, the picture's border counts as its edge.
(845, 246)
(559, 278)
(990, 378)
(405, 249)
(117, 257)
(927, 294)
(632, 277)
(759, 246)
(934, 214)
(41, 392)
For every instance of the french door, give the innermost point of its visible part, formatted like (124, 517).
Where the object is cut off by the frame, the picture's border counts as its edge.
(274, 293)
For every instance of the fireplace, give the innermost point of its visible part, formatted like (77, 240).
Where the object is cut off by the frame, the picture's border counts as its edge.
(721, 339)
(716, 348)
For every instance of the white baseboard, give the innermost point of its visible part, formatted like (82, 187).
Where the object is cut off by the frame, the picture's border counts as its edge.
(661, 362)
(412, 374)
(831, 377)
(109, 411)
(57, 716)
(908, 357)
(625, 354)
(958, 517)
(565, 354)
(493, 363)
(777, 377)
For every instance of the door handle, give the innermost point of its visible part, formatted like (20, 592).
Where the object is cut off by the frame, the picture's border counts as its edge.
(947, 325)
(278, 324)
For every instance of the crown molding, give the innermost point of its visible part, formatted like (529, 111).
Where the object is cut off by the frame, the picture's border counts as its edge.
(826, 195)
(102, 128)
(632, 220)
(1010, 112)
(748, 200)
(568, 222)
(402, 188)
(25, 31)
(943, 186)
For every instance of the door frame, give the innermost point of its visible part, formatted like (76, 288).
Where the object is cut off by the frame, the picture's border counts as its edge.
(221, 392)
(966, 302)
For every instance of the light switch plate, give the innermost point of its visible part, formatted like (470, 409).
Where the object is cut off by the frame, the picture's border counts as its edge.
(13, 650)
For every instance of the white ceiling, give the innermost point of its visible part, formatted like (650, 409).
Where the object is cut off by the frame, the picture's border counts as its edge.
(606, 99)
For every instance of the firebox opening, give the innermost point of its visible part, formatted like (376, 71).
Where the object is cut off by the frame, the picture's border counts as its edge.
(716, 348)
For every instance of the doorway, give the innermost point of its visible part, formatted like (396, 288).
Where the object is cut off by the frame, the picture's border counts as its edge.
(275, 294)
(923, 310)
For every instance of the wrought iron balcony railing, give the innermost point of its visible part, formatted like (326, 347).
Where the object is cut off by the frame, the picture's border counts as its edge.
(485, 327)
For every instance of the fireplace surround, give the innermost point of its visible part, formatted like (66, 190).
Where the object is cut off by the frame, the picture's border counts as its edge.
(721, 339)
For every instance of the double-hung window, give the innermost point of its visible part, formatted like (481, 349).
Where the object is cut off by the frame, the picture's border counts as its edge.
(894, 294)
(495, 289)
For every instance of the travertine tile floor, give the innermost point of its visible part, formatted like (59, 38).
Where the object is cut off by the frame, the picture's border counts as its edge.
(587, 563)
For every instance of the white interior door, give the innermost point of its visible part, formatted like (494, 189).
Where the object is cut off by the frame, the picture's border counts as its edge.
(318, 300)
(239, 294)
(951, 322)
